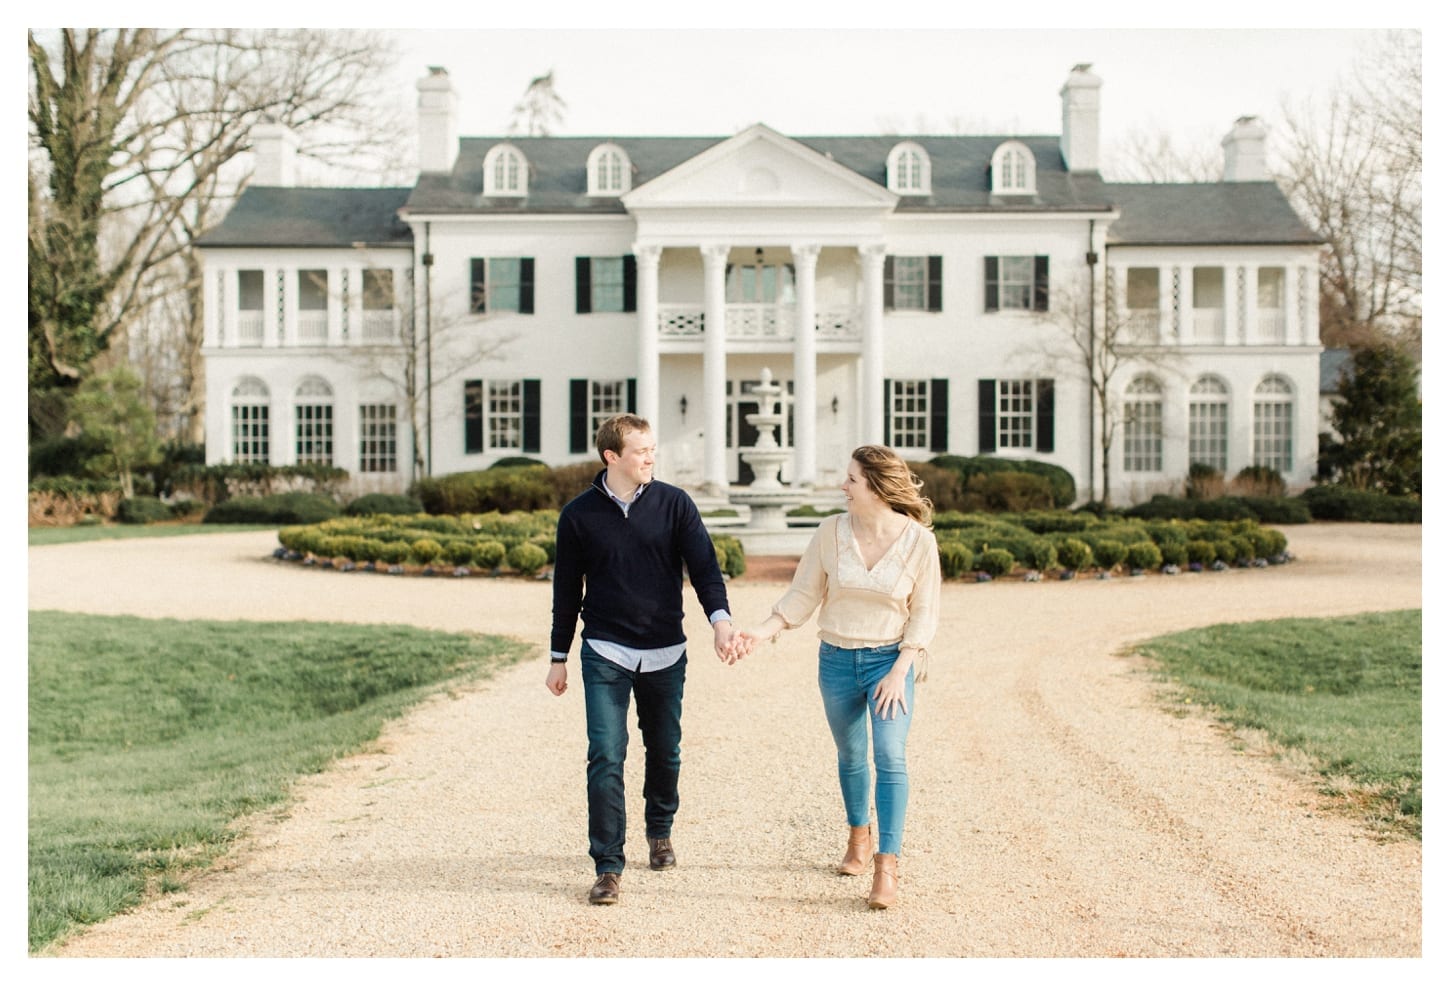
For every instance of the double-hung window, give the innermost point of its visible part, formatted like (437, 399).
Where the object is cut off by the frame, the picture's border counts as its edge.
(500, 416)
(916, 414)
(313, 412)
(251, 425)
(591, 403)
(1015, 414)
(1208, 423)
(377, 438)
(501, 284)
(604, 284)
(1016, 284)
(1143, 426)
(912, 284)
(1274, 424)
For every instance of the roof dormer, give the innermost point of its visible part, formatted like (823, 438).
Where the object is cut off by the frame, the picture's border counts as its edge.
(505, 172)
(609, 170)
(908, 169)
(1014, 169)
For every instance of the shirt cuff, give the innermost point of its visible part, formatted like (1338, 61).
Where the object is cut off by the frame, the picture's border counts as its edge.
(718, 615)
(556, 657)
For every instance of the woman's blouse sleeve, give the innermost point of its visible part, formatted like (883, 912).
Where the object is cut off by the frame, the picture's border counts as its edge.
(808, 586)
(924, 606)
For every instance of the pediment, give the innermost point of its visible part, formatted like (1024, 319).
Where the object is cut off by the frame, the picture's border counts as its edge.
(759, 168)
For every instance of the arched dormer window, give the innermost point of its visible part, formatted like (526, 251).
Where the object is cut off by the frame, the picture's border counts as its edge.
(1014, 169)
(609, 170)
(908, 170)
(505, 172)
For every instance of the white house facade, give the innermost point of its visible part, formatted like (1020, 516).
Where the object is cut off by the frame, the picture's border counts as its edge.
(920, 292)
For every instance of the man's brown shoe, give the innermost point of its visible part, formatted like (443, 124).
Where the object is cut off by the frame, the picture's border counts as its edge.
(605, 889)
(661, 855)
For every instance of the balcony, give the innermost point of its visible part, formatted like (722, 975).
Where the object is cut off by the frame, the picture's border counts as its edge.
(249, 327)
(1141, 326)
(378, 325)
(1273, 327)
(1207, 327)
(312, 326)
(758, 323)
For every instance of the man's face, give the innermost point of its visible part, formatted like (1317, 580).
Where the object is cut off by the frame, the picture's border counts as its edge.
(636, 464)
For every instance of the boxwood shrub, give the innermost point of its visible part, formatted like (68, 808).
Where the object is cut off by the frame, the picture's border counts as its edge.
(142, 510)
(1064, 489)
(996, 562)
(278, 508)
(383, 503)
(1331, 502)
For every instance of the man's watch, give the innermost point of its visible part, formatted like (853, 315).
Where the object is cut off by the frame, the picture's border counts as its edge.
(558, 660)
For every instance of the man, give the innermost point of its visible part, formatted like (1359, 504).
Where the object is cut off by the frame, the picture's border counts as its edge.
(620, 550)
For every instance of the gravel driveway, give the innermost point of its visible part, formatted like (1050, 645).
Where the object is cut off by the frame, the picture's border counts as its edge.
(1059, 806)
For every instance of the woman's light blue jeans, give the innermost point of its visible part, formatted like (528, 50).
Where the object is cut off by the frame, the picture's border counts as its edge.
(848, 677)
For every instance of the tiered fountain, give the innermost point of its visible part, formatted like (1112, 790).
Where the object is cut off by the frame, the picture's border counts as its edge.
(766, 531)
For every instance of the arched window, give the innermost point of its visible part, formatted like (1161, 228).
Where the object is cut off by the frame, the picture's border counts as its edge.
(908, 170)
(505, 171)
(1143, 425)
(1014, 169)
(251, 410)
(609, 170)
(1274, 424)
(313, 413)
(1208, 423)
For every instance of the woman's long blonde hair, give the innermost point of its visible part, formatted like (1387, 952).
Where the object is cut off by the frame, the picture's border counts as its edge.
(889, 477)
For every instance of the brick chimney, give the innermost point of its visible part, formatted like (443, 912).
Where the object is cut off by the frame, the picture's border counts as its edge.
(275, 147)
(437, 121)
(1244, 158)
(1080, 119)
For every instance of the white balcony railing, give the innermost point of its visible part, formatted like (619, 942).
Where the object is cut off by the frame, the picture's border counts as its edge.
(249, 328)
(1141, 326)
(312, 326)
(1208, 327)
(378, 324)
(745, 322)
(1273, 326)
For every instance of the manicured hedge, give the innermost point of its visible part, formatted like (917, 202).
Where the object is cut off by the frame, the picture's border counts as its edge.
(279, 508)
(1330, 502)
(1060, 481)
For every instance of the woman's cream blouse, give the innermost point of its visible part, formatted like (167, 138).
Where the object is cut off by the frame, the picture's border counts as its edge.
(897, 600)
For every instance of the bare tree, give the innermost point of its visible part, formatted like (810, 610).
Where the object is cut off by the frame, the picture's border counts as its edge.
(147, 132)
(540, 110)
(1353, 168)
(1156, 157)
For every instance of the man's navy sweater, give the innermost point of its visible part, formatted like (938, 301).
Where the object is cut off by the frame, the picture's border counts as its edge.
(625, 573)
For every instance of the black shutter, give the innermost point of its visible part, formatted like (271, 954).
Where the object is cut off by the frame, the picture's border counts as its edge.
(1045, 415)
(631, 396)
(581, 285)
(933, 284)
(888, 286)
(472, 416)
(531, 415)
(1039, 284)
(886, 433)
(938, 430)
(477, 285)
(630, 280)
(526, 285)
(578, 415)
(986, 416)
(992, 285)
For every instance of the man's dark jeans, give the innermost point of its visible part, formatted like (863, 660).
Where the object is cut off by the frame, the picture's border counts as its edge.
(658, 696)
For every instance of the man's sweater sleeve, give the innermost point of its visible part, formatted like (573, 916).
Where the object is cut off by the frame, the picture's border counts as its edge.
(568, 585)
(700, 561)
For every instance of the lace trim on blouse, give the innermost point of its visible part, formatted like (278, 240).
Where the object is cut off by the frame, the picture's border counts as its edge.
(851, 567)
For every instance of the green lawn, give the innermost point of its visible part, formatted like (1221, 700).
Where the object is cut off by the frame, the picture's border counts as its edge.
(107, 532)
(1346, 692)
(148, 737)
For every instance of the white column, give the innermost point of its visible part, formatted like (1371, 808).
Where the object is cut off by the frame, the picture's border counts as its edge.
(873, 374)
(714, 384)
(334, 305)
(270, 329)
(805, 256)
(647, 305)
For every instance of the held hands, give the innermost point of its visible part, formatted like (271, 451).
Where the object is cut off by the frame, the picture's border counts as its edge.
(730, 646)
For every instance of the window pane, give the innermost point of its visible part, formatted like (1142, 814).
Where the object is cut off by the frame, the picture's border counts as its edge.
(910, 283)
(606, 284)
(1208, 287)
(1271, 287)
(1015, 417)
(1015, 288)
(910, 414)
(249, 433)
(504, 276)
(377, 289)
(314, 434)
(249, 290)
(505, 414)
(1143, 287)
(378, 438)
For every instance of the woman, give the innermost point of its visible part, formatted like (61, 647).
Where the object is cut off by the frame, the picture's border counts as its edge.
(876, 577)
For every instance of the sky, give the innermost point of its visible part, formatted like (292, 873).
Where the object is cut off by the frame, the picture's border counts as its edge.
(1192, 83)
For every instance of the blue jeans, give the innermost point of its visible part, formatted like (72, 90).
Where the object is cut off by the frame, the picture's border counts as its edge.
(848, 676)
(658, 696)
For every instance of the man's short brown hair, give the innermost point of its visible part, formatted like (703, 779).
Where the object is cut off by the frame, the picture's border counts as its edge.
(611, 435)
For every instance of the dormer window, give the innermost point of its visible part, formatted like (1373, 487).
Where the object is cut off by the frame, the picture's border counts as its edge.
(505, 172)
(908, 170)
(609, 170)
(1014, 170)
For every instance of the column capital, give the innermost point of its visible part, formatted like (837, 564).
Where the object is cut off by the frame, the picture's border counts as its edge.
(715, 253)
(803, 252)
(874, 253)
(646, 253)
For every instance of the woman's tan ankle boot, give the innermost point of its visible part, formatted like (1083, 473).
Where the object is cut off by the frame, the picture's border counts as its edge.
(858, 851)
(883, 883)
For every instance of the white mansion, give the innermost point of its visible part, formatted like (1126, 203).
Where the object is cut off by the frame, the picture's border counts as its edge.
(920, 291)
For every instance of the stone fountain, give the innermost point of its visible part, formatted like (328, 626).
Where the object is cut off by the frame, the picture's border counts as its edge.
(768, 499)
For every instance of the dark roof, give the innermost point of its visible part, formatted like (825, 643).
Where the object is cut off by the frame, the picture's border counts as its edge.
(271, 216)
(1331, 362)
(960, 173)
(1217, 212)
